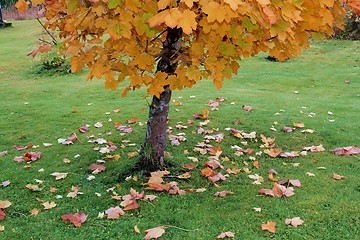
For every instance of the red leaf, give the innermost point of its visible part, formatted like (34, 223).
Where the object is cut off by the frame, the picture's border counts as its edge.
(97, 168)
(217, 178)
(83, 129)
(77, 219)
(2, 214)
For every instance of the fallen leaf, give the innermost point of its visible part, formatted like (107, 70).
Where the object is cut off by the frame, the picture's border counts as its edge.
(346, 151)
(223, 193)
(2, 214)
(74, 193)
(217, 178)
(226, 235)
(2, 228)
(114, 213)
(298, 125)
(186, 175)
(77, 219)
(97, 168)
(3, 153)
(83, 129)
(247, 108)
(319, 148)
(273, 152)
(154, 233)
(4, 204)
(49, 205)
(59, 175)
(337, 176)
(295, 222)
(309, 174)
(33, 187)
(34, 211)
(136, 229)
(5, 183)
(289, 154)
(256, 209)
(133, 154)
(269, 226)
(288, 129)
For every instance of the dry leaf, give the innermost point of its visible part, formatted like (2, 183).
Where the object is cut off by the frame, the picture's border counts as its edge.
(226, 235)
(49, 205)
(77, 219)
(154, 233)
(136, 229)
(337, 176)
(269, 226)
(296, 221)
(34, 211)
(59, 175)
(4, 204)
(223, 193)
(114, 213)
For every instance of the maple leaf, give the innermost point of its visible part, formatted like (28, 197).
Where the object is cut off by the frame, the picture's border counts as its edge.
(346, 151)
(176, 190)
(295, 222)
(189, 166)
(214, 164)
(34, 211)
(22, 6)
(97, 168)
(289, 154)
(83, 129)
(186, 175)
(204, 115)
(5, 183)
(226, 235)
(4, 204)
(77, 218)
(247, 108)
(298, 125)
(154, 233)
(217, 177)
(32, 187)
(3, 153)
(2, 214)
(49, 205)
(319, 148)
(288, 129)
(337, 176)
(223, 193)
(74, 193)
(59, 175)
(269, 226)
(207, 172)
(114, 212)
(273, 152)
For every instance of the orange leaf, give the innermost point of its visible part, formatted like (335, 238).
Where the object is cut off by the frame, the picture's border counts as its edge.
(338, 177)
(207, 172)
(22, 6)
(269, 226)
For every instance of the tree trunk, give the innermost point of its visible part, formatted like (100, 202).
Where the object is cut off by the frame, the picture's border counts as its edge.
(152, 152)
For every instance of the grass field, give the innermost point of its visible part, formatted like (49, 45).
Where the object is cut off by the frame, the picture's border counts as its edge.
(320, 88)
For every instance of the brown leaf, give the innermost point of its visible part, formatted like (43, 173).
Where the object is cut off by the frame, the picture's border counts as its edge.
(296, 221)
(77, 219)
(189, 166)
(319, 148)
(288, 129)
(337, 176)
(207, 172)
(214, 164)
(223, 193)
(186, 175)
(154, 233)
(49, 205)
(217, 178)
(34, 211)
(273, 152)
(136, 229)
(256, 164)
(269, 226)
(4, 204)
(298, 125)
(289, 154)
(59, 175)
(226, 235)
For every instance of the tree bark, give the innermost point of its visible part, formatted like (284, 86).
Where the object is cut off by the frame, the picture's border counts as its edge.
(152, 152)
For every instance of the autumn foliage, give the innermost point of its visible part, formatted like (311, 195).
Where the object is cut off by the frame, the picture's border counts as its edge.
(121, 41)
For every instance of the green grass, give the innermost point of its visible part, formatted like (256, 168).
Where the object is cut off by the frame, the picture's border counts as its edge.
(37, 108)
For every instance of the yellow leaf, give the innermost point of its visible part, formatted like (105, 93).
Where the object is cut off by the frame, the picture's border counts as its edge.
(234, 4)
(187, 22)
(214, 11)
(162, 4)
(172, 18)
(158, 19)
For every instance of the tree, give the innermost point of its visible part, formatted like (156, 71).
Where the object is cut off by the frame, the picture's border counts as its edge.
(169, 45)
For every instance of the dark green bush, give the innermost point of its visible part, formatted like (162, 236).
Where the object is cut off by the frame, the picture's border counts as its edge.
(351, 29)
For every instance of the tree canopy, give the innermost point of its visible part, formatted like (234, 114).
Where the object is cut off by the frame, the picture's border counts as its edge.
(121, 40)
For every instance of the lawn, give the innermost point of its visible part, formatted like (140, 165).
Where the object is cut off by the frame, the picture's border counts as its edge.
(320, 88)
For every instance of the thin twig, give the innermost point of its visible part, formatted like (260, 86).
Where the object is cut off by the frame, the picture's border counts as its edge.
(183, 229)
(54, 40)
(152, 40)
(95, 224)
